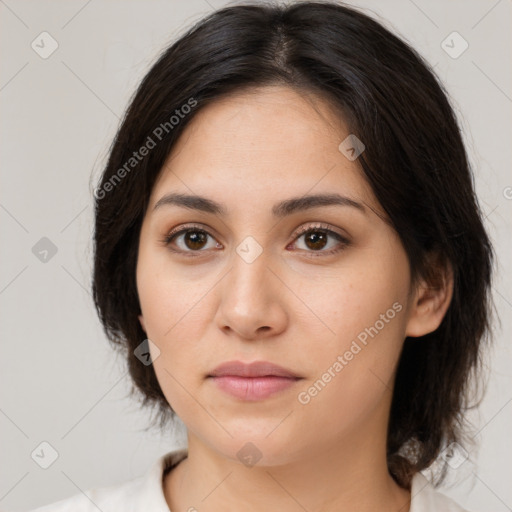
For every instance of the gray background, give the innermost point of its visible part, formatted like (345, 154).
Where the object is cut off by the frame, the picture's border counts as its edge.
(60, 381)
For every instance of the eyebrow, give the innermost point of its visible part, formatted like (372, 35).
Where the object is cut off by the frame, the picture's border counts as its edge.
(281, 209)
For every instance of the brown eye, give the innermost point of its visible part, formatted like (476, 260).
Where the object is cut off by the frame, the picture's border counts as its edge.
(189, 240)
(316, 240)
(192, 241)
(195, 239)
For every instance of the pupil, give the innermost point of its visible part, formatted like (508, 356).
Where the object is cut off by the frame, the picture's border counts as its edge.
(195, 238)
(316, 237)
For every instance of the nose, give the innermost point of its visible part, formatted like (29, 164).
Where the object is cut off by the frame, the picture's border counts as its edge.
(252, 300)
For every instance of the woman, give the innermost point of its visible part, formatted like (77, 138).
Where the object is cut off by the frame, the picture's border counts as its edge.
(289, 250)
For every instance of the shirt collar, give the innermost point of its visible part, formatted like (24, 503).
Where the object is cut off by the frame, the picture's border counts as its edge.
(152, 495)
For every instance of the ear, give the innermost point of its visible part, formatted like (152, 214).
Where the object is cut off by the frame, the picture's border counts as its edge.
(432, 298)
(141, 320)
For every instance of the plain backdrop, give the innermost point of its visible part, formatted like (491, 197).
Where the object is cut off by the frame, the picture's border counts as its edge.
(60, 381)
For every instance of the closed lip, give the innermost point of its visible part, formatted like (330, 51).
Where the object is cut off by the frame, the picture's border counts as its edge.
(255, 369)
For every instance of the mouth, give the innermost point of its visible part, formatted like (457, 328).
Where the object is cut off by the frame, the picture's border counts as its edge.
(252, 382)
(255, 369)
(253, 388)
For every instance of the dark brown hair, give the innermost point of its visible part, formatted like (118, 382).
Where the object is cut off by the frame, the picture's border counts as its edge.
(415, 162)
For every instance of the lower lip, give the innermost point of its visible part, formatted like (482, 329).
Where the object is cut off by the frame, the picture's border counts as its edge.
(253, 388)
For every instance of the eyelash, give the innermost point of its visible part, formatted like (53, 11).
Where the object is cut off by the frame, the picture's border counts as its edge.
(324, 228)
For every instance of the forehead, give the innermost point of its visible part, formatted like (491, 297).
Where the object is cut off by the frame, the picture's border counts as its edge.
(271, 121)
(263, 142)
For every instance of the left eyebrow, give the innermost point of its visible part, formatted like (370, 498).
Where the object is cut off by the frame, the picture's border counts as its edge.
(281, 209)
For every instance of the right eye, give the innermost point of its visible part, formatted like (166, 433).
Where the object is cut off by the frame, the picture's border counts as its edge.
(191, 239)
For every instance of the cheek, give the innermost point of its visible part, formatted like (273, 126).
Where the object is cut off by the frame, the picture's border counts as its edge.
(353, 374)
(174, 315)
(360, 300)
(355, 357)
(177, 308)
(172, 311)
(170, 296)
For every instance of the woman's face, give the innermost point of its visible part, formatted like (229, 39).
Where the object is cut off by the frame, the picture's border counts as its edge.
(332, 306)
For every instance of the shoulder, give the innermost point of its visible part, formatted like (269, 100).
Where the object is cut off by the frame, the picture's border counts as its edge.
(107, 499)
(136, 495)
(425, 498)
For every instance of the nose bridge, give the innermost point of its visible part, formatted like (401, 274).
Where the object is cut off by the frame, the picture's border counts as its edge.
(249, 297)
(249, 272)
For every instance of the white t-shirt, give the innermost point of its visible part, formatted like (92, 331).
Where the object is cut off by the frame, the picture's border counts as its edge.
(146, 494)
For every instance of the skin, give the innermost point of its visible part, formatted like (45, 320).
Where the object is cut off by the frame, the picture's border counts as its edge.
(249, 151)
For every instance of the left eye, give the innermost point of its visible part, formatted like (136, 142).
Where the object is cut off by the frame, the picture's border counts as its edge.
(316, 239)
(195, 240)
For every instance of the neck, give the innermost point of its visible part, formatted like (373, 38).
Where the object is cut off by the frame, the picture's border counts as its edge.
(348, 476)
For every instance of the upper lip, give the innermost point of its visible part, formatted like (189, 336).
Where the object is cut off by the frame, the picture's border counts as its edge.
(255, 369)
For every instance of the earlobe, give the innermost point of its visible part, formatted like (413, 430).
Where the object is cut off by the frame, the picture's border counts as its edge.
(430, 305)
(141, 320)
